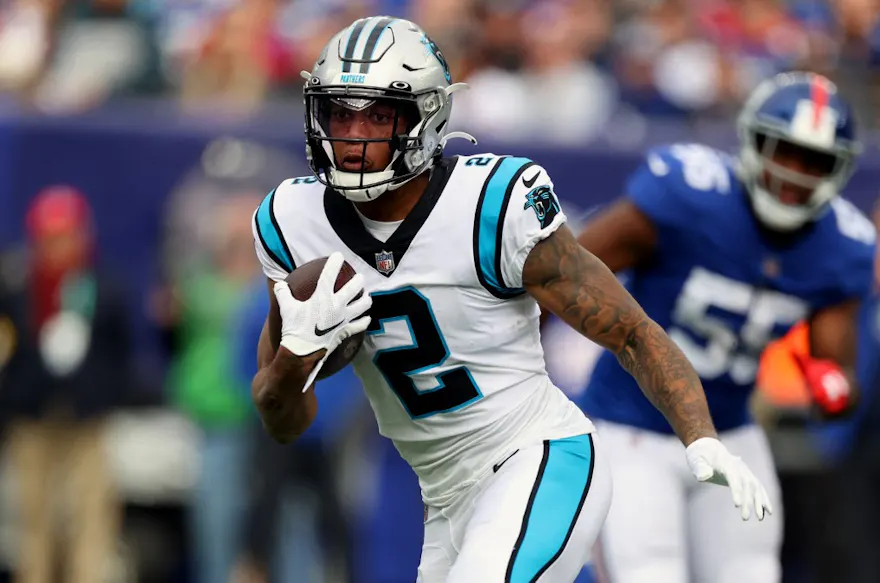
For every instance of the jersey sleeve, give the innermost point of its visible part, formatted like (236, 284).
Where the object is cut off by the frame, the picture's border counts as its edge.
(656, 189)
(858, 280)
(855, 251)
(517, 209)
(271, 248)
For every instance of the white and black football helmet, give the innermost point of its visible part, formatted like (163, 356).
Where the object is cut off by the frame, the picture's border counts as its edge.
(388, 59)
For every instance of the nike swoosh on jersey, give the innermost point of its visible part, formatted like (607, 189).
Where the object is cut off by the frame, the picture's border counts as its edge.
(320, 332)
(497, 466)
(531, 180)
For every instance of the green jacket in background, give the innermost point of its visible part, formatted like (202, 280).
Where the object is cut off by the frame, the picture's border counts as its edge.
(202, 378)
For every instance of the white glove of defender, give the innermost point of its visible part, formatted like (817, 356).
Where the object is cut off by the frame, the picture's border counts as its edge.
(711, 462)
(327, 318)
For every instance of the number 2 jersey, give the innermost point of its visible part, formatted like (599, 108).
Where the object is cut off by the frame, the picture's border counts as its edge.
(719, 287)
(452, 362)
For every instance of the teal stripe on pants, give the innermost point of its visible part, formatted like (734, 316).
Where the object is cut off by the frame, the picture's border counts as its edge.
(554, 507)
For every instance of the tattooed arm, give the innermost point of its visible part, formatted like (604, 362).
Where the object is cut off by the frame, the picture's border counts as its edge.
(572, 283)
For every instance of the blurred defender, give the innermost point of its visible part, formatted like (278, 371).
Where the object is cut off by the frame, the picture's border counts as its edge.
(727, 254)
(455, 252)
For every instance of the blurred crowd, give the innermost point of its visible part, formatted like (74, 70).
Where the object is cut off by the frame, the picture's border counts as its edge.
(598, 59)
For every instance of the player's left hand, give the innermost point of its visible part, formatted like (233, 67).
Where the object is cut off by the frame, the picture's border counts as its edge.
(711, 462)
(827, 383)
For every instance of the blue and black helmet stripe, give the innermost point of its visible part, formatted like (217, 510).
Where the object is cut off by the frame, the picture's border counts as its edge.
(270, 234)
(373, 41)
(353, 38)
(365, 57)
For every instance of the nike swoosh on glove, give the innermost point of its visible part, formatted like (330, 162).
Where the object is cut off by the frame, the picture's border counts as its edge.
(711, 462)
(327, 318)
(828, 385)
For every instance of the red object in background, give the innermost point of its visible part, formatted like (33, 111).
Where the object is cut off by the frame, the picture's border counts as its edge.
(278, 58)
(780, 379)
(721, 23)
(827, 383)
(789, 377)
(731, 26)
(57, 209)
(57, 212)
(267, 49)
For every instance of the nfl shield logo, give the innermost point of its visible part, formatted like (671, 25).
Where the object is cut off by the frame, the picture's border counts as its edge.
(771, 267)
(385, 262)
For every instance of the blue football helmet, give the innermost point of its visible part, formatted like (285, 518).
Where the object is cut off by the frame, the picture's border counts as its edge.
(798, 115)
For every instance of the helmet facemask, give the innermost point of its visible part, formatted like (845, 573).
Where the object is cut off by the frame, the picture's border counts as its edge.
(412, 148)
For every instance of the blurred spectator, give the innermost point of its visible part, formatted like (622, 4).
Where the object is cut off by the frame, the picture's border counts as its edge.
(664, 65)
(83, 70)
(205, 388)
(240, 59)
(308, 25)
(209, 264)
(228, 166)
(69, 368)
(694, 58)
(757, 38)
(247, 52)
(26, 43)
(510, 96)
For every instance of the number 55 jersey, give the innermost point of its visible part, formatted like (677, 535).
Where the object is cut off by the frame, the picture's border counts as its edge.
(720, 286)
(452, 362)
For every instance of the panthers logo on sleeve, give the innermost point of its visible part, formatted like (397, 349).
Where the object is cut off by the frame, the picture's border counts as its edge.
(543, 201)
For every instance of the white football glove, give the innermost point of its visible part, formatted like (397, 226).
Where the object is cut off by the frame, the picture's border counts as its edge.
(711, 462)
(327, 318)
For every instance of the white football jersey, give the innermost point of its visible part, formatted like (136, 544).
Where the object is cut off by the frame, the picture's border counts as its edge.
(452, 362)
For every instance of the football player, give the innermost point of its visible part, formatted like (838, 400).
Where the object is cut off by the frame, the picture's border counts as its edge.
(455, 254)
(726, 254)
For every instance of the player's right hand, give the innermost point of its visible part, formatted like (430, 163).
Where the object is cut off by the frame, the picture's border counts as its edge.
(711, 462)
(327, 318)
(828, 385)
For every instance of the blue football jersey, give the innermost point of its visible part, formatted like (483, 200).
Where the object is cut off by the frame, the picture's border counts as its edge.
(719, 287)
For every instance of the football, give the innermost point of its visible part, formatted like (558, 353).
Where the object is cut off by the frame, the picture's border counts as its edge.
(302, 282)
